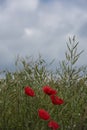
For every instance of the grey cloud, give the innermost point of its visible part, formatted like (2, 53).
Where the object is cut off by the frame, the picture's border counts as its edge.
(49, 24)
(2, 2)
(83, 30)
(82, 4)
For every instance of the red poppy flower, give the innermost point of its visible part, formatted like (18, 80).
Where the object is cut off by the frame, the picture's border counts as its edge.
(43, 114)
(53, 124)
(29, 91)
(48, 90)
(56, 100)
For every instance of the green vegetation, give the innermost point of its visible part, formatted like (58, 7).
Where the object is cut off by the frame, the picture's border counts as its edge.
(19, 111)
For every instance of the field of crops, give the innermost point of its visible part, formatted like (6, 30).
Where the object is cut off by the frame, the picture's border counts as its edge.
(19, 110)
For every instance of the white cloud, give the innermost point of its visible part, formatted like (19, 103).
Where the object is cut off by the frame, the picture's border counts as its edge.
(30, 32)
(25, 5)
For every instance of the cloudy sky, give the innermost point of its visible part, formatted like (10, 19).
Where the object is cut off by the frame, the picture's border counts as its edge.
(30, 27)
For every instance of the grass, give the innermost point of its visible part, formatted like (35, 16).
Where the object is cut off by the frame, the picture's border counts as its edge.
(19, 112)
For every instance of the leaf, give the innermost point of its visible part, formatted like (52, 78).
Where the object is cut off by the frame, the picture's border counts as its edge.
(75, 45)
(68, 47)
(70, 40)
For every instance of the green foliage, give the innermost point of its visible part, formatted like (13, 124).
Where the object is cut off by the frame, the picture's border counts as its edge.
(19, 112)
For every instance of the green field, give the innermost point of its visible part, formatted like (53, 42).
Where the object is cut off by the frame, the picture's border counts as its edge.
(19, 111)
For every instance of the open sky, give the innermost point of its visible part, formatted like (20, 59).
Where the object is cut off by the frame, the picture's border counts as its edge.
(30, 27)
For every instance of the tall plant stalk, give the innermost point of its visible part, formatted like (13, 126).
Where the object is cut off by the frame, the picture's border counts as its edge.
(68, 72)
